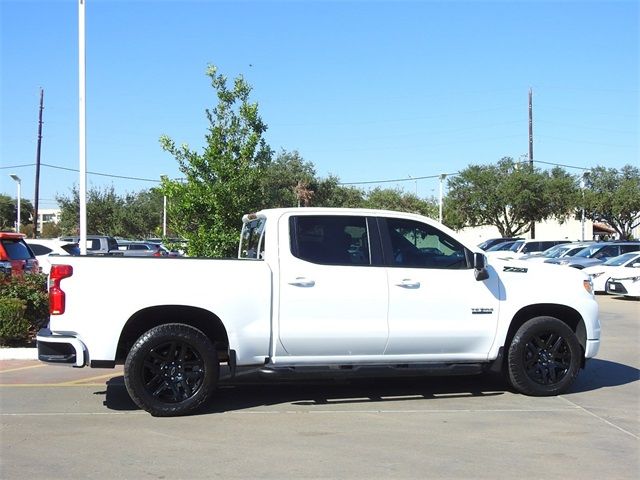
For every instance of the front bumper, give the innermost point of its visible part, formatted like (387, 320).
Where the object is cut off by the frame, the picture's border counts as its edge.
(61, 349)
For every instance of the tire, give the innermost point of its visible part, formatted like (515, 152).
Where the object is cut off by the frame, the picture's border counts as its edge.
(544, 357)
(171, 370)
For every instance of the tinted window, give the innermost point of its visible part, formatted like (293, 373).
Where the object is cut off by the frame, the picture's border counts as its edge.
(609, 251)
(331, 240)
(416, 244)
(16, 249)
(630, 248)
(38, 249)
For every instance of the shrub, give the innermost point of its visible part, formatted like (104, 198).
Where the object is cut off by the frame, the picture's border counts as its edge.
(14, 328)
(31, 289)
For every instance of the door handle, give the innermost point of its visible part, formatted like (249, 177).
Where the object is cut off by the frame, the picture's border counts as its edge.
(302, 282)
(408, 283)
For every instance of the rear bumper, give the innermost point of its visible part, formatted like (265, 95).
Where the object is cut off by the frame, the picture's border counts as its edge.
(61, 349)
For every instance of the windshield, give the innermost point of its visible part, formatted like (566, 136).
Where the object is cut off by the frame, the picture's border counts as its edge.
(501, 246)
(555, 252)
(516, 245)
(621, 259)
(589, 252)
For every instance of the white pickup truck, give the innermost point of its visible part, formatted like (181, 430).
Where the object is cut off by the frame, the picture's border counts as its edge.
(329, 291)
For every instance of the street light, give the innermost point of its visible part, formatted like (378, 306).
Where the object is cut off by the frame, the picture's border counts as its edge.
(583, 185)
(16, 178)
(442, 177)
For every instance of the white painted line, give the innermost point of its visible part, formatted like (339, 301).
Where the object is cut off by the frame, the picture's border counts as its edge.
(600, 418)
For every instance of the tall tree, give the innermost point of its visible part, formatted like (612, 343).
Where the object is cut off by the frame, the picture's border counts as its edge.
(8, 212)
(223, 182)
(132, 215)
(613, 196)
(508, 196)
(281, 178)
(395, 199)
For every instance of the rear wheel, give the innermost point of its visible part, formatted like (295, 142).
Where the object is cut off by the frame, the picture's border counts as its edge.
(544, 357)
(171, 370)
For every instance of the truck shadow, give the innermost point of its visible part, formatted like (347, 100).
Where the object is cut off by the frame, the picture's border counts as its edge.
(255, 391)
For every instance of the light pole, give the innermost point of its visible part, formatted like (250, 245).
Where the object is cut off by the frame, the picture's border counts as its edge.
(442, 177)
(583, 184)
(16, 178)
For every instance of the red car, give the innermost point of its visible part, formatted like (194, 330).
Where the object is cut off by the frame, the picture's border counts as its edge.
(15, 255)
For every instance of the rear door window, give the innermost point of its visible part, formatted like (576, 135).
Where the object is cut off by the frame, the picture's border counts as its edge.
(38, 249)
(331, 239)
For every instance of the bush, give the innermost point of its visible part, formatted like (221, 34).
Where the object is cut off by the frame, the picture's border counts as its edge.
(14, 328)
(31, 289)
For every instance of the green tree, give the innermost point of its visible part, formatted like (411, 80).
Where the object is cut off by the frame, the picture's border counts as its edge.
(329, 193)
(133, 215)
(509, 196)
(223, 182)
(613, 196)
(396, 199)
(281, 178)
(8, 212)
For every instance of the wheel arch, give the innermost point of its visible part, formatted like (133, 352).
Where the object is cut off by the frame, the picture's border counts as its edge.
(564, 313)
(143, 320)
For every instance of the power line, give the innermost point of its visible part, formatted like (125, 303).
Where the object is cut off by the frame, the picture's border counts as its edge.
(103, 174)
(410, 179)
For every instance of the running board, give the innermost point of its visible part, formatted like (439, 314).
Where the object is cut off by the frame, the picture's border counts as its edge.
(359, 371)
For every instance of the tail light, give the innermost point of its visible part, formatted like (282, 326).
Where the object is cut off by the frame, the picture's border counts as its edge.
(56, 295)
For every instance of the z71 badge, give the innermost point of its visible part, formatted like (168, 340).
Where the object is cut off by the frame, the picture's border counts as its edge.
(515, 269)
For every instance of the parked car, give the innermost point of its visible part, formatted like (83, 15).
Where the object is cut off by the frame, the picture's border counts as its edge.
(620, 266)
(523, 247)
(140, 249)
(557, 251)
(596, 254)
(16, 257)
(96, 244)
(490, 242)
(42, 248)
(628, 286)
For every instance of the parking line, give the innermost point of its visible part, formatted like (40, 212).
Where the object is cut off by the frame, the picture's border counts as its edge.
(23, 368)
(89, 379)
(600, 418)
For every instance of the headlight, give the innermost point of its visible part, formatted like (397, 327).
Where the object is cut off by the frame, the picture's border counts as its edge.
(588, 286)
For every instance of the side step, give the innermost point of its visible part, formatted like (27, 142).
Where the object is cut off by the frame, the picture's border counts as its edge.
(371, 371)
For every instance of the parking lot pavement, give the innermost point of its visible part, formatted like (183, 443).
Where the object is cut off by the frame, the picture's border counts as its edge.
(59, 422)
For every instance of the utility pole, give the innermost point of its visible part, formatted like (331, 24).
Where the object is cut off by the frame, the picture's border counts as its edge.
(37, 194)
(533, 224)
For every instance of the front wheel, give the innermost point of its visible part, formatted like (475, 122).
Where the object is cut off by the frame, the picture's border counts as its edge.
(544, 357)
(171, 370)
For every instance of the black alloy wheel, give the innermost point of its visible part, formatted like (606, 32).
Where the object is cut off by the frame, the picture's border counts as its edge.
(171, 370)
(544, 357)
(547, 358)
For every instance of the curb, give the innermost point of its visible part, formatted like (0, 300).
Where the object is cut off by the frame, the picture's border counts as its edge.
(18, 353)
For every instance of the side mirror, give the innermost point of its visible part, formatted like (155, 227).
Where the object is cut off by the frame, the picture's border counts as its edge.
(479, 267)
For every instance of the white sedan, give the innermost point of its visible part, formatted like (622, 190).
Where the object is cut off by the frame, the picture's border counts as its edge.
(43, 248)
(628, 286)
(625, 265)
